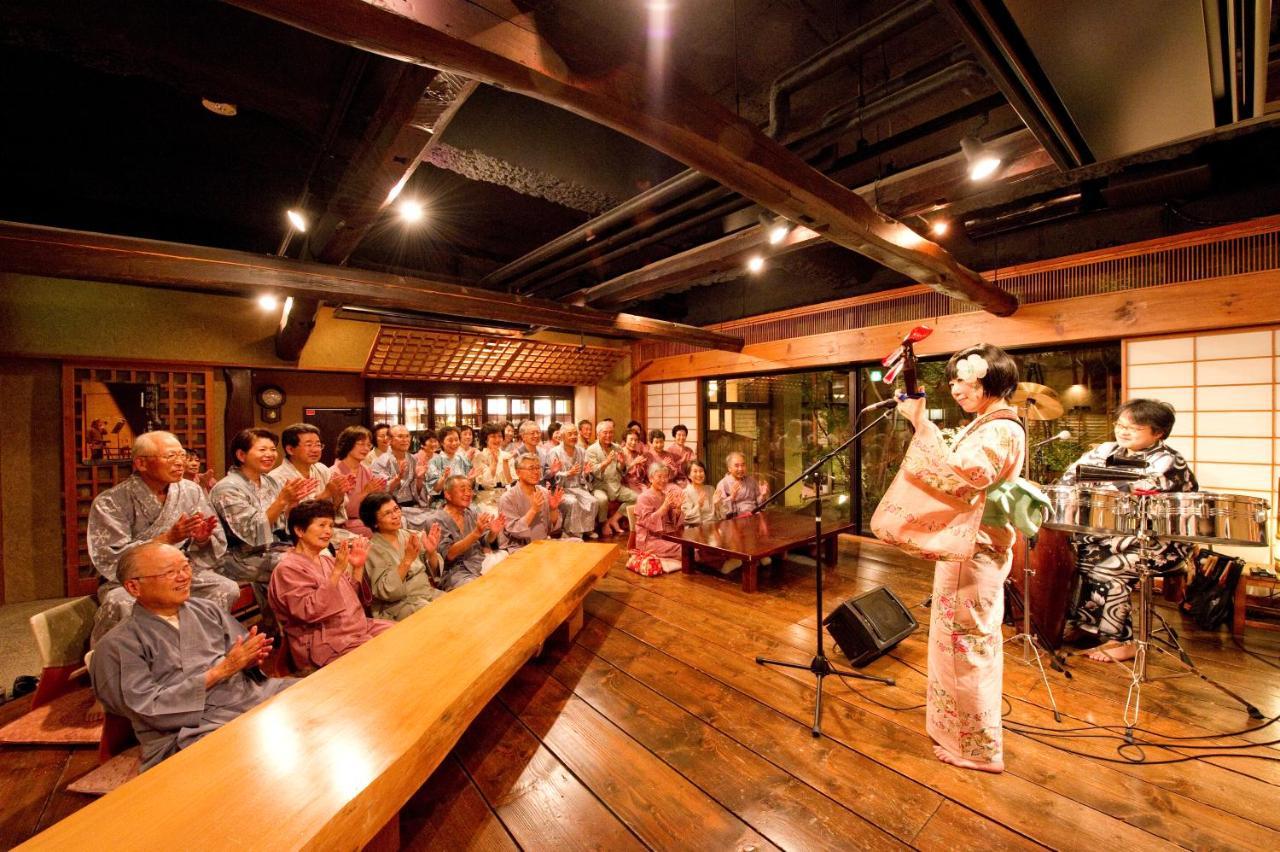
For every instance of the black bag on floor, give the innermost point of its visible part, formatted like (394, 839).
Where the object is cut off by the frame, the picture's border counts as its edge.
(1210, 597)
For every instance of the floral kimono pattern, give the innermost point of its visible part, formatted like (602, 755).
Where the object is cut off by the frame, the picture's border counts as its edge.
(966, 663)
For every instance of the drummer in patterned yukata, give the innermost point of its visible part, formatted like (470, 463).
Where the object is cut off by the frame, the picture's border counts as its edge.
(1108, 564)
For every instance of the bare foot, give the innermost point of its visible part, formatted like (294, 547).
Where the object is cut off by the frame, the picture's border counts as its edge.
(1113, 653)
(96, 713)
(949, 758)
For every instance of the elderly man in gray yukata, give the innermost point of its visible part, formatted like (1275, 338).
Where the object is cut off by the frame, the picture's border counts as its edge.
(406, 479)
(465, 534)
(177, 668)
(529, 511)
(155, 504)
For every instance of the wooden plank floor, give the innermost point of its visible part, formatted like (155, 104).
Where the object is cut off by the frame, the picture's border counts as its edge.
(657, 729)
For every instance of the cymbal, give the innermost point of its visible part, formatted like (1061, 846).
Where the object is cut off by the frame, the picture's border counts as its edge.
(1037, 401)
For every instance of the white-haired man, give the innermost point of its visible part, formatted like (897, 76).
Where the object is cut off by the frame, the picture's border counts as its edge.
(604, 457)
(155, 504)
(177, 667)
(739, 493)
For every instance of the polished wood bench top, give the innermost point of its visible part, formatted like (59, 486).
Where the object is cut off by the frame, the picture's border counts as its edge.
(328, 762)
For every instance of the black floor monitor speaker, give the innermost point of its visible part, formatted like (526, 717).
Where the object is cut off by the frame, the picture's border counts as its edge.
(869, 625)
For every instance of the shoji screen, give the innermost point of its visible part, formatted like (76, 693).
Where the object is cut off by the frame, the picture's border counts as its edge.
(1224, 387)
(669, 403)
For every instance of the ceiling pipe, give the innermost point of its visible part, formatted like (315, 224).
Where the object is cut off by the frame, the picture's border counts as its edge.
(687, 182)
(892, 96)
(912, 87)
(673, 188)
(837, 56)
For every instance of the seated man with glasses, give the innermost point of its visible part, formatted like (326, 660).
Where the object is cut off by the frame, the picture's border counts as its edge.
(178, 667)
(155, 504)
(1108, 564)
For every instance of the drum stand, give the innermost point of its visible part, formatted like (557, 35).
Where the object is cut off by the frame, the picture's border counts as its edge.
(1149, 547)
(1027, 637)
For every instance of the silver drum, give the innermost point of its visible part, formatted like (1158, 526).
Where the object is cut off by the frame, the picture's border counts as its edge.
(1207, 516)
(1097, 511)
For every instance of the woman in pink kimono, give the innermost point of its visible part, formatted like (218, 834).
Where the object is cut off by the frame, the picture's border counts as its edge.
(354, 445)
(965, 655)
(659, 509)
(320, 600)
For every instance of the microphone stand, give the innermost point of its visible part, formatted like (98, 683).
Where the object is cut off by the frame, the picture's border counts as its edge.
(820, 665)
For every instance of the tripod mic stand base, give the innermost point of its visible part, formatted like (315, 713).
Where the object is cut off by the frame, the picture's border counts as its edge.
(821, 667)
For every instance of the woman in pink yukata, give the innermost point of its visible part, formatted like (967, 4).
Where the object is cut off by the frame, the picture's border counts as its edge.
(963, 700)
(319, 599)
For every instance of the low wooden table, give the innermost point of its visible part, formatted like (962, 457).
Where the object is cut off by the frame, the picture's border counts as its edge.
(328, 763)
(754, 537)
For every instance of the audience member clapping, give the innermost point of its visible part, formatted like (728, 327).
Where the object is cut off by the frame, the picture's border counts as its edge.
(354, 444)
(573, 476)
(155, 504)
(319, 599)
(177, 668)
(252, 506)
(402, 565)
(465, 534)
(530, 512)
(406, 479)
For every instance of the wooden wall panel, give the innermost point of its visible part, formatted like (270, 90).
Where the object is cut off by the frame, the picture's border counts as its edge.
(1238, 301)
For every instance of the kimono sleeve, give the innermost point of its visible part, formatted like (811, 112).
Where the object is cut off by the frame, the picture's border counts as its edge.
(109, 533)
(125, 684)
(382, 567)
(1096, 456)
(979, 460)
(241, 514)
(647, 511)
(302, 595)
(511, 508)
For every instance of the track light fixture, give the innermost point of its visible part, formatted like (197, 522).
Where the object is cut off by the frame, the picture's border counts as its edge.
(983, 162)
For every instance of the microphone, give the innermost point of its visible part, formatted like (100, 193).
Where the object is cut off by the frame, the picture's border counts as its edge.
(1061, 436)
(884, 403)
(915, 335)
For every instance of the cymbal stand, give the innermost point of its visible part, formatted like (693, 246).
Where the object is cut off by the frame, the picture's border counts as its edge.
(1148, 548)
(1028, 638)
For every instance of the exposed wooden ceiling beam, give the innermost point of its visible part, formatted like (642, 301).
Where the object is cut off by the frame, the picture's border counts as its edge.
(59, 253)
(498, 43)
(419, 103)
(910, 192)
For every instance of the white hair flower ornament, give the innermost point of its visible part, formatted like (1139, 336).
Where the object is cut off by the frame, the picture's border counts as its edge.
(972, 368)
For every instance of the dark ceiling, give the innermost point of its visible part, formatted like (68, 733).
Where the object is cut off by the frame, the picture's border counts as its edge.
(1131, 125)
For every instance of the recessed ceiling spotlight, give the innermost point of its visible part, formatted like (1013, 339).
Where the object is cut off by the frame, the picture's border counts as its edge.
(778, 231)
(983, 163)
(411, 211)
(268, 302)
(940, 227)
(297, 220)
(755, 264)
(222, 108)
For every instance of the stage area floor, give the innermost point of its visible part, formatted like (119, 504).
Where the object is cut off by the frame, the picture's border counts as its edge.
(657, 729)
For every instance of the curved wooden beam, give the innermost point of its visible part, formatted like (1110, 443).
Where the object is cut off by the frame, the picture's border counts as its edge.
(497, 43)
(58, 253)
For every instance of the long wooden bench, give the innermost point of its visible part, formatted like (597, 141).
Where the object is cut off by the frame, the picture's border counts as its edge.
(329, 762)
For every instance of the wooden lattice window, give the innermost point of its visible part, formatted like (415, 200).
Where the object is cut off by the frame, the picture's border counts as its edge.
(181, 404)
(406, 353)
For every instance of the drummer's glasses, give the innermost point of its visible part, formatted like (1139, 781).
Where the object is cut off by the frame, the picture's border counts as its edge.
(1131, 428)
